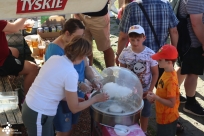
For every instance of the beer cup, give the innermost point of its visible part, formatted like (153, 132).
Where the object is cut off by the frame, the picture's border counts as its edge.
(41, 49)
(34, 41)
(29, 27)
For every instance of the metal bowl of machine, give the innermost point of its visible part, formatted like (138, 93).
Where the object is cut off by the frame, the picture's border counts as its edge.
(125, 98)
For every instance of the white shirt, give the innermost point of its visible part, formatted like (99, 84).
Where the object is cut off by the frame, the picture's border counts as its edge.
(140, 64)
(56, 75)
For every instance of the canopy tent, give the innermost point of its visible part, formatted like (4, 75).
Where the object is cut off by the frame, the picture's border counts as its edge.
(31, 8)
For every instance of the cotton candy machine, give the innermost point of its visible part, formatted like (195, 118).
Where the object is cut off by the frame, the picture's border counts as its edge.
(125, 102)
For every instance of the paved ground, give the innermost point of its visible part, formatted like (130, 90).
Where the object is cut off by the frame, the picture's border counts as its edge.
(194, 126)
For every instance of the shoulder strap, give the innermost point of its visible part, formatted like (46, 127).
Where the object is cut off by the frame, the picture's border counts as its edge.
(175, 5)
(150, 23)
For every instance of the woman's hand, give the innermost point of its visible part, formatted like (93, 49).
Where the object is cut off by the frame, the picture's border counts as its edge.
(28, 23)
(77, 16)
(25, 25)
(85, 87)
(101, 97)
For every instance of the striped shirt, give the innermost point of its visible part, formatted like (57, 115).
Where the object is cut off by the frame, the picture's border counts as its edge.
(192, 7)
(161, 16)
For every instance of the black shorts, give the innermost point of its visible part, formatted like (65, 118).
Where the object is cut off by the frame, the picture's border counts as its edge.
(193, 62)
(11, 66)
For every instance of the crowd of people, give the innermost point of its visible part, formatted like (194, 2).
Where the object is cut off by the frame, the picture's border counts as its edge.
(55, 92)
(164, 22)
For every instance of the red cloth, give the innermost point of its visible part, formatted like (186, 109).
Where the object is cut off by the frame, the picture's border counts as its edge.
(4, 50)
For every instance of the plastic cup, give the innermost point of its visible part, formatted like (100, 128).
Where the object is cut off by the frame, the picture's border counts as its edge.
(41, 49)
(34, 41)
(29, 27)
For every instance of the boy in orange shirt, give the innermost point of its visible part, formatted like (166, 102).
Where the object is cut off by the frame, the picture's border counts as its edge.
(167, 93)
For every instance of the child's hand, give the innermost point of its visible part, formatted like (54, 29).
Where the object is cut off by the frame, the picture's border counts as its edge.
(151, 97)
(145, 94)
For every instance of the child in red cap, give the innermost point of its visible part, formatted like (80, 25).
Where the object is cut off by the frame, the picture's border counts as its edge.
(167, 93)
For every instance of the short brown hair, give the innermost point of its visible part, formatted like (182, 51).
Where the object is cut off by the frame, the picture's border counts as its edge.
(172, 60)
(135, 35)
(72, 25)
(77, 47)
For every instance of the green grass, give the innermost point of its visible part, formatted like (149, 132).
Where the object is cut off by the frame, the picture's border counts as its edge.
(98, 60)
(151, 131)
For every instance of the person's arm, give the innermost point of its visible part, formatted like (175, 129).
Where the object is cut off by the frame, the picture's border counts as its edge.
(88, 71)
(75, 106)
(122, 40)
(198, 27)
(123, 65)
(90, 76)
(170, 102)
(174, 36)
(76, 16)
(83, 86)
(155, 75)
(15, 26)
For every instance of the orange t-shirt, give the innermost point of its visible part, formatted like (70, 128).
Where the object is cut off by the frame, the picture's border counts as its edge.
(167, 88)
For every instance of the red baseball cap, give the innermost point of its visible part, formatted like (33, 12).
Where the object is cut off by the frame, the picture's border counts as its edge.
(166, 52)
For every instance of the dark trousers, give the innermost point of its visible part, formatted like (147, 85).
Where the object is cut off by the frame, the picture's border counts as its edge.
(167, 129)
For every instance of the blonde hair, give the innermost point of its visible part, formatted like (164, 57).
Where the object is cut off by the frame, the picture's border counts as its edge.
(78, 47)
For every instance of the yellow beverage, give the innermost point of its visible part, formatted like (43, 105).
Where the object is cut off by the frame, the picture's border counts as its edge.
(41, 50)
(35, 43)
(29, 29)
(29, 25)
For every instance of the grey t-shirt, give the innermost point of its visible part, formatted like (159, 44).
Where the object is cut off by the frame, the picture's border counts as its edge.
(192, 7)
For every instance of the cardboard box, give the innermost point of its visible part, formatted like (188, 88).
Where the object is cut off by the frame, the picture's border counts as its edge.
(52, 21)
(49, 34)
(49, 22)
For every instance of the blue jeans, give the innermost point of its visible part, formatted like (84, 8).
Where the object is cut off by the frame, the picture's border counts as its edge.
(64, 118)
